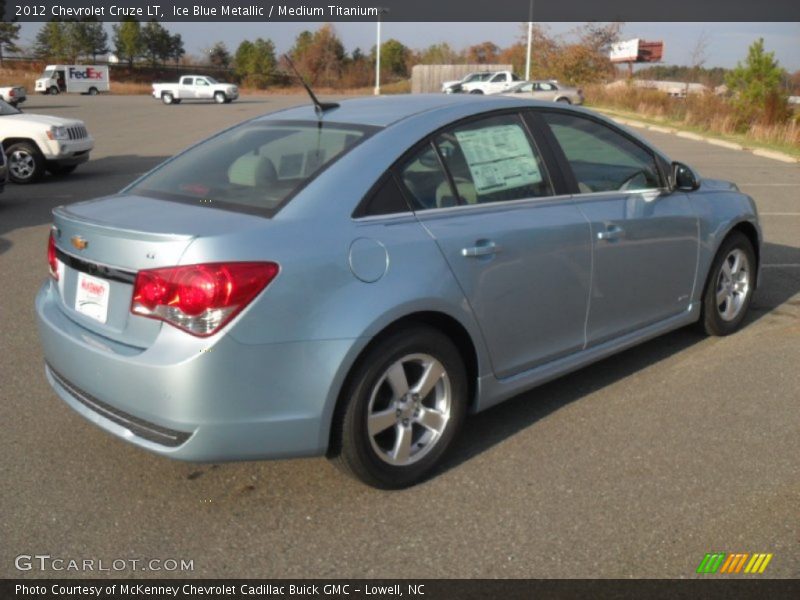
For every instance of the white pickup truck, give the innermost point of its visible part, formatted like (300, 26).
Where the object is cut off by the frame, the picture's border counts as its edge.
(14, 95)
(34, 144)
(195, 87)
(498, 82)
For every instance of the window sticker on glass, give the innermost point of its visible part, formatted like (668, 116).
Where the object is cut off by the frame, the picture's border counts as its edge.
(499, 158)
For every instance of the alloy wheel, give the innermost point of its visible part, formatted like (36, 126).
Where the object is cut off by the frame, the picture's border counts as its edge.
(21, 164)
(409, 409)
(733, 284)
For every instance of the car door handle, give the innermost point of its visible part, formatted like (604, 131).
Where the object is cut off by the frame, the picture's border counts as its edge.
(612, 233)
(480, 250)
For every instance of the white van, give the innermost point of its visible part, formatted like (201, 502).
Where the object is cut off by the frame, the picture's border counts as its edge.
(78, 79)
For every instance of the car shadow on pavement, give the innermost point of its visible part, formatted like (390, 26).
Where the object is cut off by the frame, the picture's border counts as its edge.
(30, 205)
(779, 288)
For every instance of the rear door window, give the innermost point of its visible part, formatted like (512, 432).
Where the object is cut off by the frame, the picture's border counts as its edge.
(493, 160)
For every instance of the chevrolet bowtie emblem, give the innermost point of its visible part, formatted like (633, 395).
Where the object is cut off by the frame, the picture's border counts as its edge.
(79, 242)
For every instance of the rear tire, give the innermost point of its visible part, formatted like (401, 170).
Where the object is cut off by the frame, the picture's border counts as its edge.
(729, 288)
(405, 402)
(167, 98)
(220, 98)
(93, 91)
(25, 163)
(564, 101)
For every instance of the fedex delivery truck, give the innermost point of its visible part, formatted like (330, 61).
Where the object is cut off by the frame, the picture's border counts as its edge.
(79, 79)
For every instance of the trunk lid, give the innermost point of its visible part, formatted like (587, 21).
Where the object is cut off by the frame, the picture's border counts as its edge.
(102, 244)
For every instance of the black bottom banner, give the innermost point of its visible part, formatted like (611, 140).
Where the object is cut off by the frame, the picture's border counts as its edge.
(422, 589)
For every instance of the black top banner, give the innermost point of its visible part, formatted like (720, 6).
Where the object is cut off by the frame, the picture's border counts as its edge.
(404, 10)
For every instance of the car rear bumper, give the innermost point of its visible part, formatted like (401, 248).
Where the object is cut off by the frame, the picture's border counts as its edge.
(231, 401)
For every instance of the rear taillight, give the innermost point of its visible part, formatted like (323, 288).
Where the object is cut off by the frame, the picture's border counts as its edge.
(200, 299)
(11, 93)
(52, 260)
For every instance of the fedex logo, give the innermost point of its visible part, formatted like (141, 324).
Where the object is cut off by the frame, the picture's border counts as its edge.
(89, 73)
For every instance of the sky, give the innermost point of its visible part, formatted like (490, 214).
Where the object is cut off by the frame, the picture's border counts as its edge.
(727, 42)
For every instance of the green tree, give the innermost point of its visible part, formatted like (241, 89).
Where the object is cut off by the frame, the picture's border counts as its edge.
(394, 58)
(302, 43)
(219, 56)
(255, 63)
(439, 54)
(92, 38)
(156, 42)
(128, 40)
(52, 42)
(176, 49)
(9, 34)
(758, 95)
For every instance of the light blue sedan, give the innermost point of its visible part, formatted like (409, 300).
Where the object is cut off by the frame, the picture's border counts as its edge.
(352, 281)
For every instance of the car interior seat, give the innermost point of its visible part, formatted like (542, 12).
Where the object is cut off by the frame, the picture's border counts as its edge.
(253, 170)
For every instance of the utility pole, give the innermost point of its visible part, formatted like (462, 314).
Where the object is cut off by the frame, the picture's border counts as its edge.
(381, 11)
(530, 43)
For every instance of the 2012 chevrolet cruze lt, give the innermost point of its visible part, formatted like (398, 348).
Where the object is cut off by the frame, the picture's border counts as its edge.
(352, 281)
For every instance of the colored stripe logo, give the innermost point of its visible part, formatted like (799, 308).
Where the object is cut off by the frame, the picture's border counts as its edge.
(736, 562)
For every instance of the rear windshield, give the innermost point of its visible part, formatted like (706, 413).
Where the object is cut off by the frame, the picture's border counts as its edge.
(255, 167)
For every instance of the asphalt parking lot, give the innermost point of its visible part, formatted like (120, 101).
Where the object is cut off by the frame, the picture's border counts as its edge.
(634, 467)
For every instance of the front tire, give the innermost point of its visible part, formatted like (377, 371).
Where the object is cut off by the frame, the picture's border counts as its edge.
(404, 404)
(25, 163)
(730, 285)
(220, 98)
(476, 92)
(54, 91)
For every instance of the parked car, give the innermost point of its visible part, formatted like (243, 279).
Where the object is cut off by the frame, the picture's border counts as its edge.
(195, 87)
(13, 95)
(546, 90)
(497, 82)
(74, 79)
(454, 87)
(36, 143)
(351, 281)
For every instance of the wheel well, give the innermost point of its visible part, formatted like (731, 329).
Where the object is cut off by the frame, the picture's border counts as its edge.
(8, 142)
(749, 231)
(436, 320)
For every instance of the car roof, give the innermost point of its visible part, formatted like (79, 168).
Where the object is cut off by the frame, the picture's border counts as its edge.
(384, 111)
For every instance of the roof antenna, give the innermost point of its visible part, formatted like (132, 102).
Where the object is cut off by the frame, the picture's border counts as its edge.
(319, 107)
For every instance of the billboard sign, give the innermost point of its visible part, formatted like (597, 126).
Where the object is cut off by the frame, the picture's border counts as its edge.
(627, 51)
(636, 50)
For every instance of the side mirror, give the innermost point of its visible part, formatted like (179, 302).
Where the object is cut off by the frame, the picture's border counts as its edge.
(683, 178)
